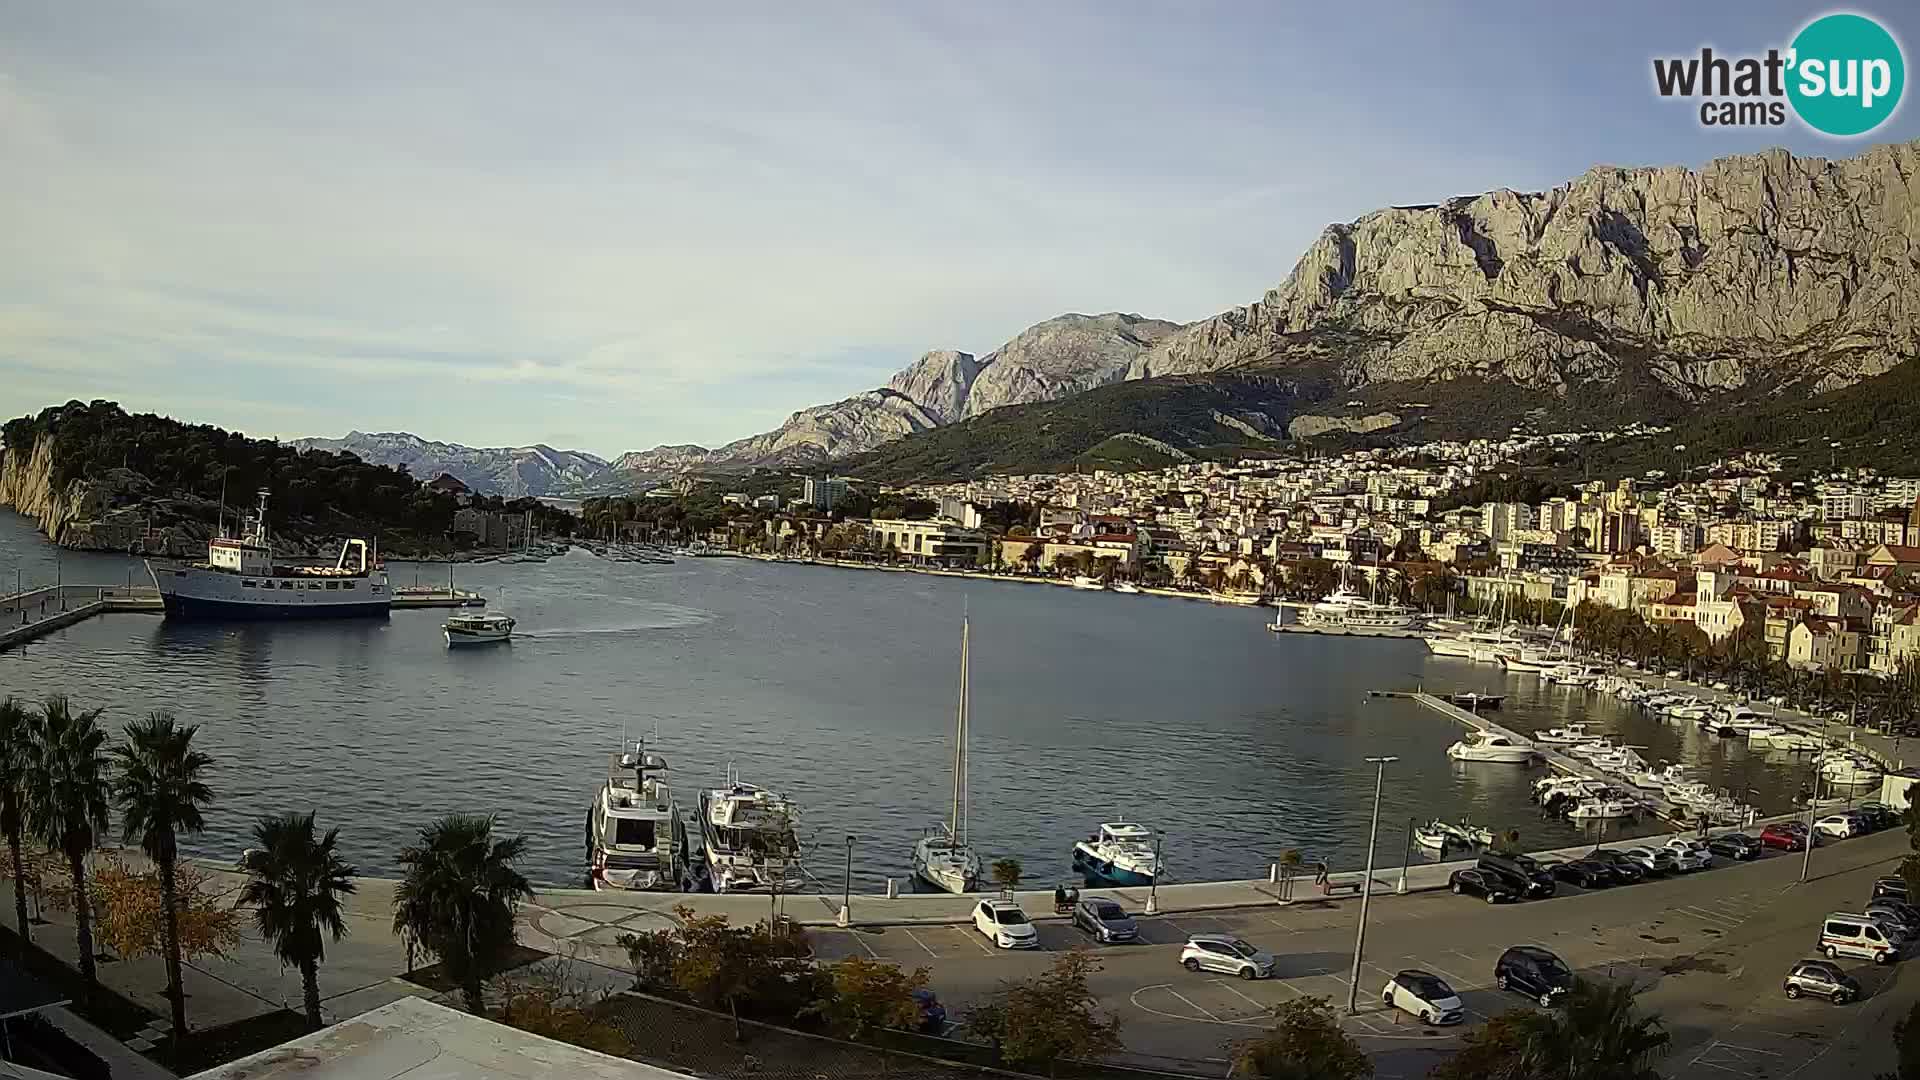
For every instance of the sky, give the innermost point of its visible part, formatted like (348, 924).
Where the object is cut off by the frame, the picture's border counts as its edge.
(611, 225)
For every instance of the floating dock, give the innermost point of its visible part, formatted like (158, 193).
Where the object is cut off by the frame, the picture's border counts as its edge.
(409, 598)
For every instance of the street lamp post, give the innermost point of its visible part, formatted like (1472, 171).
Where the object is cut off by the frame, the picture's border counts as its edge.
(846, 887)
(1153, 883)
(1366, 883)
(1406, 859)
(1813, 802)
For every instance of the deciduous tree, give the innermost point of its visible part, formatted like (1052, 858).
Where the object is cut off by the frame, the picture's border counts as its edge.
(1305, 1043)
(860, 996)
(1038, 1022)
(130, 911)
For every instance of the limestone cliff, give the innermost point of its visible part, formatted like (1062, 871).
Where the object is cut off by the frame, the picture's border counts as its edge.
(27, 487)
(1757, 273)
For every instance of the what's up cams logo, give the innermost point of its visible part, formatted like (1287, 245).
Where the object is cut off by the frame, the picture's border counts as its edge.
(1842, 76)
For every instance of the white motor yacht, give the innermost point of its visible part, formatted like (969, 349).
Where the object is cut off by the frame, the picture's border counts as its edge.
(1345, 609)
(1795, 742)
(1121, 853)
(1763, 735)
(1850, 770)
(1492, 746)
(750, 838)
(944, 858)
(1127, 587)
(1089, 583)
(635, 836)
(1603, 809)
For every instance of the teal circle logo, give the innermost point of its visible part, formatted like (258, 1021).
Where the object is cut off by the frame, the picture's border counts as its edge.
(1847, 74)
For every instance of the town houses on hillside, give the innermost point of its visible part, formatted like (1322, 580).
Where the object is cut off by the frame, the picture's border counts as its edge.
(1826, 570)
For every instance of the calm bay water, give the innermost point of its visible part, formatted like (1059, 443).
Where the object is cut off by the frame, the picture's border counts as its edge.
(838, 687)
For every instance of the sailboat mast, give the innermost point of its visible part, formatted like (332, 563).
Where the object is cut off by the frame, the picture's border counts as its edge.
(960, 738)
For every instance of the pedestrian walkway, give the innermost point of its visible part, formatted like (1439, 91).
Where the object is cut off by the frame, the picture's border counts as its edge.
(125, 1063)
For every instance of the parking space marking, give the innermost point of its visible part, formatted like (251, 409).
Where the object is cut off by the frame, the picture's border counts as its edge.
(861, 939)
(1249, 999)
(1725, 922)
(1193, 1006)
(922, 944)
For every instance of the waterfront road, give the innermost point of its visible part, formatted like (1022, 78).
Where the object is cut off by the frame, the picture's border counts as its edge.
(1708, 951)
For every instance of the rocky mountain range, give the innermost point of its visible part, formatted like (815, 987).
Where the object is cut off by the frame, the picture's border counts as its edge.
(510, 472)
(1624, 293)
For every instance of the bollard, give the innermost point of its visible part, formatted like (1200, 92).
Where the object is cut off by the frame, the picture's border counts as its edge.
(1273, 873)
(845, 918)
(893, 889)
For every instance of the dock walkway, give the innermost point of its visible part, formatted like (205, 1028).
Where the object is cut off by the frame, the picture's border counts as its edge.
(1563, 762)
(35, 613)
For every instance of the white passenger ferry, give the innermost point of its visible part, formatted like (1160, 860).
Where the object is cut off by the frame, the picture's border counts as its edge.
(240, 580)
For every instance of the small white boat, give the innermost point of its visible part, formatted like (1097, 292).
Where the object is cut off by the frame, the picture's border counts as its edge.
(1764, 735)
(1089, 584)
(1437, 835)
(1795, 742)
(1127, 587)
(1121, 853)
(1603, 809)
(480, 629)
(1571, 735)
(1850, 771)
(1490, 746)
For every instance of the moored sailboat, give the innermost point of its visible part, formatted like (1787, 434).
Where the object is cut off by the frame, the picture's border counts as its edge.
(943, 857)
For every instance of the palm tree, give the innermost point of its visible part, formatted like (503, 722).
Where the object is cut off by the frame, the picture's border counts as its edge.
(13, 776)
(296, 885)
(65, 798)
(1599, 1027)
(461, 898)
(160, 794)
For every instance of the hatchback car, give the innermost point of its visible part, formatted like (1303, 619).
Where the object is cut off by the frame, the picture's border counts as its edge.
(1493, 885)
(1738, 846)
(1625, 870)
(1229, 955)
(1653, 860)
(1822, 978)
(1787, 836)
(1835, 826)
(1534, 972)
(1003, 923)
(1425, 995)
(1690, 854)
(1893, 887)
(1105, 920)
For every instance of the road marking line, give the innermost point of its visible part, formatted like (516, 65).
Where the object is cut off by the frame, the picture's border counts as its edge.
(990, 950)
(1453, 980)
(922, 944)
(1231, 989)
(1183, 930)
(1194, 1007)
(861, 938)
(1708, 917)
(1752, 1050)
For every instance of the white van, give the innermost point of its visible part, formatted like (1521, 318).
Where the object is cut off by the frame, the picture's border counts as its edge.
(1858, 936)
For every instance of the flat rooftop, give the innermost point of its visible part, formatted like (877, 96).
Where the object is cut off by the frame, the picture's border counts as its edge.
(419, 1040)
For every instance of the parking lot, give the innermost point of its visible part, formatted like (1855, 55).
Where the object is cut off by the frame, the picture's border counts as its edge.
(1708, 948)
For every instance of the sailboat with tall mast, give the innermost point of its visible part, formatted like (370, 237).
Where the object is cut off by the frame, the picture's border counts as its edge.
(943, 857)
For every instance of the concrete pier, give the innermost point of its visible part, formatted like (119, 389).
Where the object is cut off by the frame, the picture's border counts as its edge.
(35, 613)
(1565, 763)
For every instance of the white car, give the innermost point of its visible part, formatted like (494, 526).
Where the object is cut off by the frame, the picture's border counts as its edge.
(1838, 826)
(1690, 854)
(1229, 955)
(1003, 923)
(1654, 860)
(1425, 995)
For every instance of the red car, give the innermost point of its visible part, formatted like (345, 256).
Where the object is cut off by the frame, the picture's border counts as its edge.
(1791, 836)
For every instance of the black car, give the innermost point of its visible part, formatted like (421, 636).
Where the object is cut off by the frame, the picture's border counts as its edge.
(1491, 884)
(1534, 972)
(1734, 846)
(1582, 872)
(1105, 920)
(1625, 870)
(1521, 868)
(1879, 815)
(1895, 887)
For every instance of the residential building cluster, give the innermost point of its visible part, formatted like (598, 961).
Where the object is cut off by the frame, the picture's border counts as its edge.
(1828, 570)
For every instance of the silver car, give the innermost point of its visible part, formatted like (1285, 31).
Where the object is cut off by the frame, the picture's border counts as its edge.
(1227, 955)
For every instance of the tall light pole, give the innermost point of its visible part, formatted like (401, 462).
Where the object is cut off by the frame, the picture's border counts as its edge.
(1366, 883)
(1153, 883)
(1813, 801)
(846, 887)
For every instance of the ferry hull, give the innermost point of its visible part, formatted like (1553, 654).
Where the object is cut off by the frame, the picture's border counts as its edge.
(192, 607)
(1099, 871)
